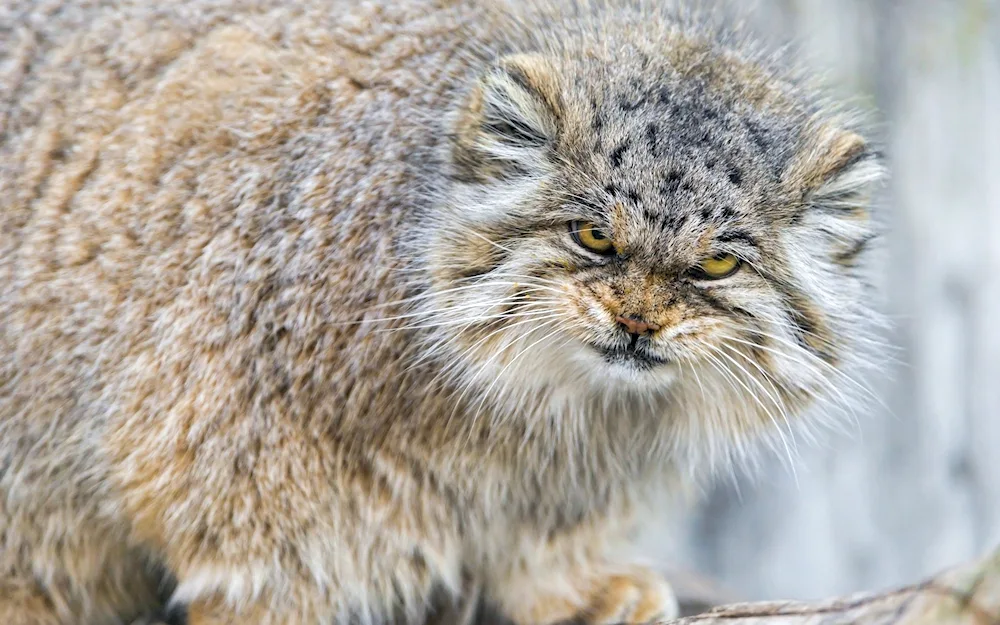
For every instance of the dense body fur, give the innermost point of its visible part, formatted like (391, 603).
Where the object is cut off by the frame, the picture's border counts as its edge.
(252, 260)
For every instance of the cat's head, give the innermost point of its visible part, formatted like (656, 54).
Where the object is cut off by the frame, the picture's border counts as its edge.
(680, 225)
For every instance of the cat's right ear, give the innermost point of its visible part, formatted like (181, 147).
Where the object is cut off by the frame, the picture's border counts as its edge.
(508, 121)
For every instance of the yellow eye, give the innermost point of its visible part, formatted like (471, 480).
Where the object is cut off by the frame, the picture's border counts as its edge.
(718, 267)
(591, 237)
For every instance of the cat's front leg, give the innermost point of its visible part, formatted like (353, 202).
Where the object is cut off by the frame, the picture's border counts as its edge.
(576, 577)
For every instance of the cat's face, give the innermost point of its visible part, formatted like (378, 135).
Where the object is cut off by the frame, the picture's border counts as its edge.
(653, 239)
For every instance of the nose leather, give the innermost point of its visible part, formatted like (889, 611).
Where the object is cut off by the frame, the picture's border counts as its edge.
(634, 325)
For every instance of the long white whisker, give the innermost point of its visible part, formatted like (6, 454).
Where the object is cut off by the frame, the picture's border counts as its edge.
(484, 238)
(769, 414)
(480, 284)
(428, 353)
(820, 378)
(449, 317)
(543, 316)
(499, 376)
(728, 377)
(825, 365)
(489, 361)
(442, 312)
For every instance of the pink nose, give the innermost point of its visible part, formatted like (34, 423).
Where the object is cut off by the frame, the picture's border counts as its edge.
(633, 325)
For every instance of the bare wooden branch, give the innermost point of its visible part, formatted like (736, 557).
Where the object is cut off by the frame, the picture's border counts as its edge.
(968, 595)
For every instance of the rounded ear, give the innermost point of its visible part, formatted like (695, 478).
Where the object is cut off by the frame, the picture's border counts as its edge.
(508, 119)
(835, 177)
(838, 171)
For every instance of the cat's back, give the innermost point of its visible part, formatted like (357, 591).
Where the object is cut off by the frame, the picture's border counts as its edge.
(197, 202)
(182, 187)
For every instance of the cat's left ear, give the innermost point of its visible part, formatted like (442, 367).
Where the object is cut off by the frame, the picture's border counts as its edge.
(509, 119)
(838, 172)
(835, 178)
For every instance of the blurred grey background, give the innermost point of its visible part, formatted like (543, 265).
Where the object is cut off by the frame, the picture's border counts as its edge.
(916, 486)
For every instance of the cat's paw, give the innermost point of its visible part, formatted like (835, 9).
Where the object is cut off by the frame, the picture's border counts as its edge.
(637, 597)
(633, 596)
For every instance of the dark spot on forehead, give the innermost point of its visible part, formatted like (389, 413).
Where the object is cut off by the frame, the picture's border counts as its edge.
(653, 139)
(707, 214)
(772, 142)
(596, 115)
(678, 221)
(735, 175)
(630, 103)
(616, 191)
(633, 97)
(664, 220)
(663, 95)
(671, 183)
(618, 153)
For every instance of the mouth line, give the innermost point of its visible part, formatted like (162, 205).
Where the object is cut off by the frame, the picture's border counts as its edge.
(630, 354)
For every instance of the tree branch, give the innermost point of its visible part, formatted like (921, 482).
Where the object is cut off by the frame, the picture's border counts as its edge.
(968, 595)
